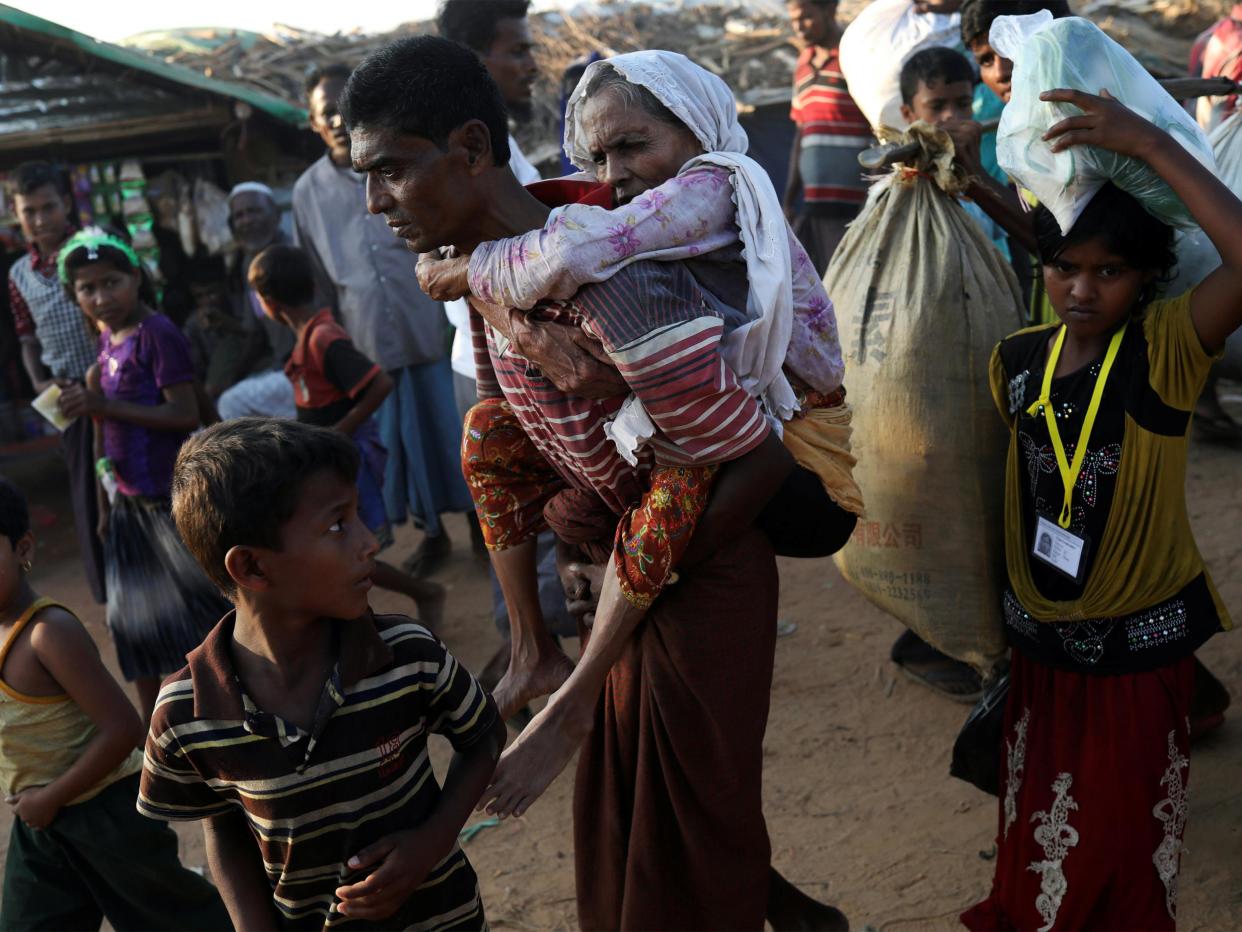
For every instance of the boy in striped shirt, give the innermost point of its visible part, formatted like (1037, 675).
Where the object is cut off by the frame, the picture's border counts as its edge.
(298, 729)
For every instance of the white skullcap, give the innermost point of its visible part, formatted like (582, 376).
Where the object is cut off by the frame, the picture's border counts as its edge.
(255, 187)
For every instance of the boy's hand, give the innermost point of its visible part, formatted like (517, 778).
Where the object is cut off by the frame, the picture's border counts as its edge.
(76, 400)
(443, 279)
(402, 862)
(34, 806)
(966, 137)
(1105, 122)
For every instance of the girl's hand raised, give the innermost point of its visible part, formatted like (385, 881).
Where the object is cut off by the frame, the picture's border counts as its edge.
(1104, 122)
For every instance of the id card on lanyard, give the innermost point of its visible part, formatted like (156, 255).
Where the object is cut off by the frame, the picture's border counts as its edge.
(1055, 544)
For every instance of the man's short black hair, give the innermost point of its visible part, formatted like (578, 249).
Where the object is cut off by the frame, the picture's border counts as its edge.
(473, 22)
(238, 482)
(317, 74)
(426, 86)
(29, 177)
(283, 274)
(206, 269)
(935, 64)
(978, 15)
(14, 515)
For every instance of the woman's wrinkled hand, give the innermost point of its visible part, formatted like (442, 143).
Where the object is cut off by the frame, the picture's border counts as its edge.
(568, 358)
(443, 279)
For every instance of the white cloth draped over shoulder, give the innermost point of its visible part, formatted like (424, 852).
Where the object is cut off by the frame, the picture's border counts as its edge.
(756, 350)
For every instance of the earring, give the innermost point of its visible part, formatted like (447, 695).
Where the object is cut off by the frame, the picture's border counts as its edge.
(27, 566)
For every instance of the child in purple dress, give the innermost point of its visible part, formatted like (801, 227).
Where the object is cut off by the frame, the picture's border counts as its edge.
(141, 395)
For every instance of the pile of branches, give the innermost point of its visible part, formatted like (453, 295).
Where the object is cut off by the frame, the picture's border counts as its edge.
(751, 47)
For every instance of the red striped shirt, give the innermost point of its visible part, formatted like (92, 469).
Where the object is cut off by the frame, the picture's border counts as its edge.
(832, 130)
(652, 322)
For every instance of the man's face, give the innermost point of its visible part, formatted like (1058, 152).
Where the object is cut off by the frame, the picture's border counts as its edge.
(325, 119)
(422, 190)
(994, 71)
(44, 217)
(511, 63)
(815, 23)
(937, 102)
(254, 219)
(631, 151)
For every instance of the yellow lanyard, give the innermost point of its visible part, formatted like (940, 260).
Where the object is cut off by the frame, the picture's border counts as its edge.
(1069, 473)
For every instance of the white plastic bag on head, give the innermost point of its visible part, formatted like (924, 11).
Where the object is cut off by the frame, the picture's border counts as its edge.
(878, 42)
(1073, 53)
(1196, 256)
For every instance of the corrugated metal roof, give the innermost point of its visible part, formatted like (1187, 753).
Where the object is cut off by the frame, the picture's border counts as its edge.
(139, 61)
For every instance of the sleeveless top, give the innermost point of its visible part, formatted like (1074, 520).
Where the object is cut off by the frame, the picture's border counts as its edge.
(42, 736)
(68, 346)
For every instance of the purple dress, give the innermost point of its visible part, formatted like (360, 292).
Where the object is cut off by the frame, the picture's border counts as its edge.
(160, 603)
(138, 369)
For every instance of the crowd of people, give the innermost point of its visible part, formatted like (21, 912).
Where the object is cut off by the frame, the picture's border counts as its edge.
(633, 380)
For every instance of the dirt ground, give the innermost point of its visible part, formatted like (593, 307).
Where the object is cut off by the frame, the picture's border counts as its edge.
(861, 809)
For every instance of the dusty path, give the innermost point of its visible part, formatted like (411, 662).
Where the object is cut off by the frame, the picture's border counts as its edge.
(862, 811)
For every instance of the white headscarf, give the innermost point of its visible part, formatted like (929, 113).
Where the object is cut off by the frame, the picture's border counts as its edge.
(756, 350)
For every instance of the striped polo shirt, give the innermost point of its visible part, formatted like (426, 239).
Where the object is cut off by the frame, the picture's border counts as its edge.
(663, 332)
(314, 799)
(832, 130)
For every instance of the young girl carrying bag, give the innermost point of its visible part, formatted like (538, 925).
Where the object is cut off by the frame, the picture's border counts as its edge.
(1108, 596)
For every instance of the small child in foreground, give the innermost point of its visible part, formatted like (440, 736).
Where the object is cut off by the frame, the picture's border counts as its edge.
(69, 761)
(1108, 595)
(298, 729)
(335, 386)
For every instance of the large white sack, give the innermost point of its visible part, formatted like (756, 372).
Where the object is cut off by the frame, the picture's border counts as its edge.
(1074, 53)
(1196, 256)
(922, 296)
(875, 46)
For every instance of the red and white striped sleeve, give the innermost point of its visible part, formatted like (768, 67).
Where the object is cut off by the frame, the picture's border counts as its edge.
(653, 322)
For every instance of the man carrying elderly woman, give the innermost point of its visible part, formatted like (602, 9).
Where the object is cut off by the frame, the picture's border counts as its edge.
(663, 485)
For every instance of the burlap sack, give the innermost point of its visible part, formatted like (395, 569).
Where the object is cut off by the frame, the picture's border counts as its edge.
(922, 296)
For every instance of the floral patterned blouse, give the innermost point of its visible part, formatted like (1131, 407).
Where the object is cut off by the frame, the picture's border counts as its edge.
(689, 216)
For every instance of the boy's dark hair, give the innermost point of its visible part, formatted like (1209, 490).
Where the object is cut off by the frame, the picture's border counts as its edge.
(206, 269)
(283, 274)
(1144, 242)
(426, 86)
(31, 176)
(978, 15)
(473, 22)
(935, 64)
(317, 74)
(14, 515)
(238, 482)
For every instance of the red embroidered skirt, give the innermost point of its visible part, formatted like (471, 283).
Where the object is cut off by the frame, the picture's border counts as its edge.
(1092, 800)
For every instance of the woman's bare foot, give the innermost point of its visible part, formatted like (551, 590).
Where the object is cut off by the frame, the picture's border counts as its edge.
(525, 682)
(543, 749)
